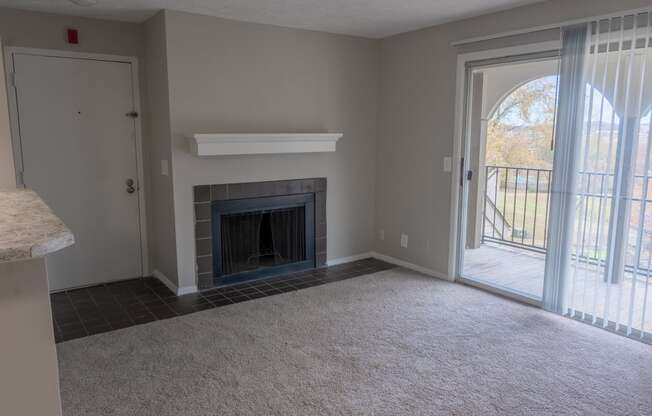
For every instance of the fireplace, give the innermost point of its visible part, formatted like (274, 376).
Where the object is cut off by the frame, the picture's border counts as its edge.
(259, 237)
(247, 231)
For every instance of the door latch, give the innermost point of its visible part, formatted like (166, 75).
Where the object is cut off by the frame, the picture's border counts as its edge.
(130, 186)
(132, 114)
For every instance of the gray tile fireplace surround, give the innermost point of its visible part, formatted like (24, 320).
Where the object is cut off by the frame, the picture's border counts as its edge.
(204, 195)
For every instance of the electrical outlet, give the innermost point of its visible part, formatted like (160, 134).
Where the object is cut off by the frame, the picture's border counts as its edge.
(404, 240)
(165, 170)
(381, 235)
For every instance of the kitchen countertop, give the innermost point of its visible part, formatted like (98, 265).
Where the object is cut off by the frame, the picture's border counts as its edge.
(28, 227)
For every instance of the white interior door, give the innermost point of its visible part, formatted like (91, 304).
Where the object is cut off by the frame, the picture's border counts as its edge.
(79, 151)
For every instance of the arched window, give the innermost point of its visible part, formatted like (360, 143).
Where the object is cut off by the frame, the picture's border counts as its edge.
(520, 127)
(519, 156)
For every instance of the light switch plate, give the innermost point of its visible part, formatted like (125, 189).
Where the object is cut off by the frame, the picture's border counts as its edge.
(448, 164)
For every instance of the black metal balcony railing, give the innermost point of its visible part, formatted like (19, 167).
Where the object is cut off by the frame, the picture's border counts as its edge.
(516, 207)
(517, 201)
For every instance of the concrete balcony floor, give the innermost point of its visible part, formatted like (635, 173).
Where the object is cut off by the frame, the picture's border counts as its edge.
(521, 271)
(506, 267)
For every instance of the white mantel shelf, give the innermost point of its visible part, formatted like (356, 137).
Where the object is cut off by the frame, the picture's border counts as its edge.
(262, 143)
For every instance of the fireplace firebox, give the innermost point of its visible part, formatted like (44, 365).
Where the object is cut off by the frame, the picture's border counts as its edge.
(260, 237)
(250, 230)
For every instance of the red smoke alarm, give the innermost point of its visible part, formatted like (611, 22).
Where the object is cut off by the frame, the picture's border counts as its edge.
(73, 37)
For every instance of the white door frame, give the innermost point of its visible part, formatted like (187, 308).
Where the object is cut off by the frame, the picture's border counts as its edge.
(458, 205)
(15, 129)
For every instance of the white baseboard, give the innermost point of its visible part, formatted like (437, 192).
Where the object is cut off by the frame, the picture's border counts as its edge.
(342, 260)
(178, 290)
(391, 260)
(410, 266)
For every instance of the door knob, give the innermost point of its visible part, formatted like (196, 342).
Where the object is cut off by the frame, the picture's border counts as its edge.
(130, 186)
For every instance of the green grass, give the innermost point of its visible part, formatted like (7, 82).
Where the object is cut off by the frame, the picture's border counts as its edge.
(525, 213)
(535, 220)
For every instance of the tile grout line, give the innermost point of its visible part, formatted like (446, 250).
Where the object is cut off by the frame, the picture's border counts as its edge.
(97, 307)
(74, 308)
(122, 306)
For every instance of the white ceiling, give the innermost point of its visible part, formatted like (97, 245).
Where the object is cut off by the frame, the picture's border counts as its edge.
(367, 18)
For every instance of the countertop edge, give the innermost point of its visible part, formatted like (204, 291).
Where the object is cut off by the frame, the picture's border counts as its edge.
(29, 228)
(43, 248)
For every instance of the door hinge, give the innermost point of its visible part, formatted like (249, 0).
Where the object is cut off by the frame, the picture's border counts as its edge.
(12, 79)
(132, 114)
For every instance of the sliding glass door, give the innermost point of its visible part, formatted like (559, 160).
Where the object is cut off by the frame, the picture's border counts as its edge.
(510, 127)
(556, 188)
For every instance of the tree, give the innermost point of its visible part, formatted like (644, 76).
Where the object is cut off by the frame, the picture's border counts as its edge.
(520, 130)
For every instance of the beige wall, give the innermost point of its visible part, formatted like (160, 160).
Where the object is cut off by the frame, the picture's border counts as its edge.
(416, 122)
(29, 375)
(48, 31)
(7, 169)
(160, 214)
(228, 76)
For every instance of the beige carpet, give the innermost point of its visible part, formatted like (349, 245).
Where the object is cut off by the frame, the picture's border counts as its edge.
(391, 343)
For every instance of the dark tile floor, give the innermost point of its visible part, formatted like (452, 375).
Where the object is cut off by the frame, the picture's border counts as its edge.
(92, 310)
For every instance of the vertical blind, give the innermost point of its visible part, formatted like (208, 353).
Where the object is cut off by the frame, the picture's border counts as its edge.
(603, 274)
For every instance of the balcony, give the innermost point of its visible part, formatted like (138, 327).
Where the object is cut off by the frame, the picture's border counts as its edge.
(516, 207)
(510, 251)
